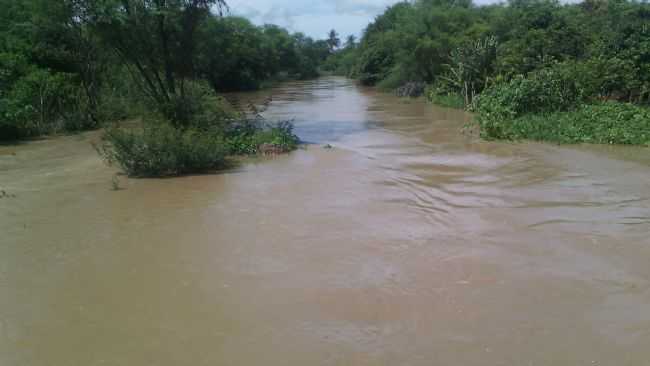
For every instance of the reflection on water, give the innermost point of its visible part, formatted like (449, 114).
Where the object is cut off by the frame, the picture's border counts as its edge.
(341, 108)
(409, 243)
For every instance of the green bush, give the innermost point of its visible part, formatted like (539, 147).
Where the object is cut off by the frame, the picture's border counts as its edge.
(249, 136)
(197, 107)
(447, 100)
(444, 98)
(546, 90)
(542, 92)
(39, 102)
(158, 149)
(395, 78)
(120, 97)
(603, 123)
(560, 104)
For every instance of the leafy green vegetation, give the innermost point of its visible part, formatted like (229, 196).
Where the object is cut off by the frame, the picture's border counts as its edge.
(159, 149)
(75, 64)
(556, 105)
(47, 70)
(523, 60)
(340, 61)
(162, 147)
(259, 137)
(449, 100)
(236, 55)
(602, 123)
(71, 65)
(546, 90)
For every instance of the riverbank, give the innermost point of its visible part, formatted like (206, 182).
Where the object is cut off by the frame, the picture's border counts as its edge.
(515, 118)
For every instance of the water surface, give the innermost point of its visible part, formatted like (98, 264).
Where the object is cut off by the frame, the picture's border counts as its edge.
(408, 243)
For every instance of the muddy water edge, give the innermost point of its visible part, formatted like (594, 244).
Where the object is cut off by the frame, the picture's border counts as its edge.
(407, 243)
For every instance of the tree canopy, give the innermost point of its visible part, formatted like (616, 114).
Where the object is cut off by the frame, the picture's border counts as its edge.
(463, 48)
(72, 64)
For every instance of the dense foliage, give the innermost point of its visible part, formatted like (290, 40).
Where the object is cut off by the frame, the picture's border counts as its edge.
(461, 47)
(156, 148)
(49, 69)
(68, 65)
(256, 136)
(561, 103)
(160, 149)
(236, 55)
(602, 123)
(75, 64)
(524, 57)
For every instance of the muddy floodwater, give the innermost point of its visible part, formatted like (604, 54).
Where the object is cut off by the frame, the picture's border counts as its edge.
(407, 243)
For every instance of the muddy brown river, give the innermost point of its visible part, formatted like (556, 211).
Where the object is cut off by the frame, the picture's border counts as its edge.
(407, 243)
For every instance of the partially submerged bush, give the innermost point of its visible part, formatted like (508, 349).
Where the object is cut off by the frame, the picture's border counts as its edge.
(411, 89)
(602, 123)
(159, 149)
(447, 100)
(542, 92)
(444, 97)
(256, 136)
(547, 90)
(280, 138)
(195, 134)
(560, 105)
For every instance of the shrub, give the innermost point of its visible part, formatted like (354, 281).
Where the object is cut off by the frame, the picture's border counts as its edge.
(197, 107)
(557, 104)
(447, 100)
(158, 149)
(542, 92)
(248, 136)
(602, 123)
(39, 102)
(547, 90)
(120, 97)
(395, 78)
(443, 97)
(411, 89)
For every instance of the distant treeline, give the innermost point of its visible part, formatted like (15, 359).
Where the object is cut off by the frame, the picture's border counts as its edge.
(512, 61)
(73, 64)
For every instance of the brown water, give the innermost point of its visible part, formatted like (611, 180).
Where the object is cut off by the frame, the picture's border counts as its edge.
(408, 243)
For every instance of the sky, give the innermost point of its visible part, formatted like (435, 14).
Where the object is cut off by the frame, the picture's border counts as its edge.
(313, 17)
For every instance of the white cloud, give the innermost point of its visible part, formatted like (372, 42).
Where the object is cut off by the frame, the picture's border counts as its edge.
(312, 17)
(362, 7)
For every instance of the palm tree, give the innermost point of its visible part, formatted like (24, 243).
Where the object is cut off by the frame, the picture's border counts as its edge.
(333, 40)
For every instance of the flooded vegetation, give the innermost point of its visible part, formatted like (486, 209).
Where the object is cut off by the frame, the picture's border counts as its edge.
(407, 242)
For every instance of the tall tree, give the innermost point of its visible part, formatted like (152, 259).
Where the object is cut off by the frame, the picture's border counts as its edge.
(156, 39)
